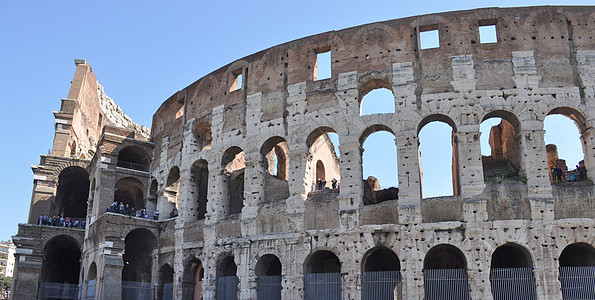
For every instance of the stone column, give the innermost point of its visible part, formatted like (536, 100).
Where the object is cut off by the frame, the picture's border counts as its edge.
(409, 177)
(217, 193)
(534, 164)
(470, 170)
(352, 188)
(253, 184)
(109, 281)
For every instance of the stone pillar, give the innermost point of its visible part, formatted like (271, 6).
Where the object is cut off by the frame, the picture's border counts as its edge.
(253, 184)
(588, 143)
(352, 189)
(109, 281)
(470, 170)
(245, 273)
(217, 193)
(185, 197)
(27, 270)
(534, 164)
(409, 177)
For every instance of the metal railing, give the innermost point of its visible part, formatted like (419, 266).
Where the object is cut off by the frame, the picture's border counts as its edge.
(51, 290)
(90, 294)
(443, 284)
(132, 290)
(380, 285)
(512, 283)
(577, 282)
(268, 287)
(133, 166)
(322, 286)
(227, 288)
(168, 291)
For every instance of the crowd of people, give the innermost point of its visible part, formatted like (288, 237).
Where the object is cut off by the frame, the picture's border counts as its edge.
(558, 174)
(61, 221)
(320, 184)
(125, 209)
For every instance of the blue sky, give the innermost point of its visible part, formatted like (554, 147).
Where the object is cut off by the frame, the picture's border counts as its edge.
(142, 52)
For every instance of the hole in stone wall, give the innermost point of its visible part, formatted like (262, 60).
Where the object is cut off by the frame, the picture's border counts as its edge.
(438, 160)
(429, 37)
(322, 69)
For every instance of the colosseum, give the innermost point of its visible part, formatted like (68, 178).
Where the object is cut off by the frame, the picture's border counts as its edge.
(238, 192)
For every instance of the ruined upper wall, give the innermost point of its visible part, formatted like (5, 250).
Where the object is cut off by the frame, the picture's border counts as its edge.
(554, 34)
(85, 112)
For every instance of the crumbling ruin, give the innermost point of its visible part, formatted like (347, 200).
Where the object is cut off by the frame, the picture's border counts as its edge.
(236, 156)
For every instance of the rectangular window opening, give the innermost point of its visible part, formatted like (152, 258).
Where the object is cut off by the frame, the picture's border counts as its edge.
(487, 33)
(429, 37)
(237, 81)
(322, 69)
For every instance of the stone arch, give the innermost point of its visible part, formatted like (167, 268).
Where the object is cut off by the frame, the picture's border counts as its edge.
(166, 279)
(381, 274)
(91, 282)
(233, 165)
(227, 279)
(321, 149)
(192, 279)
(203, 135)
(171, 193)
(577, 270)
(586, 140)
(376, 83)
(152, 199)
(275, 164)
(72, 193)
(139, 244)
(129, 191)
(373, 191)
(60, 266)
(511, 273)
(199, 173)
(454, 168)
(503, 138)
(322, 266)
(268, 271)
(445, 272)
(133, 157)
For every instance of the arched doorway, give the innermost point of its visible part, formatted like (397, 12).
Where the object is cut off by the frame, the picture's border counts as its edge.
(136, 274)
(322, 276)
(91, 282)
(227, 279)
(268, 278)
(192, 280)
(166, 283)
(60, 269)
(511, 274)
(577, 271)
(445, 273)
(72, 193)
(381, 275)
(233, 165)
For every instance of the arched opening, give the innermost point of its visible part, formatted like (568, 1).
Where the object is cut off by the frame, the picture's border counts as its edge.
(379, 165)
(192, 280)
(381, 276)
(377, 98)
(268, 277)
(276, 166)
(91, 198)
(322, 276)
(233, 165)
(438, 157)
(72, 193)
(323, 165)
(500, 146)
(60, 269)
(511, 274)
(227, 279)
(136, 274)
(133, 157)
(199, 188)
(202, 133)
(577, 271)
(166, 286)
(172, 187)
(565, 145)
(445, 273)
(129, 193)
(91, 282)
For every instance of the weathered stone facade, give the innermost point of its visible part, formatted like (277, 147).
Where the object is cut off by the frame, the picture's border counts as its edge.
(213, 146)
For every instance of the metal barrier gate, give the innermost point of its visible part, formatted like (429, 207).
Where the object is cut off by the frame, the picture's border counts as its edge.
(227, 287)
(513, 283)
(90, 294)
(380, 285)
(443, 284)
(133, 290)
(322, 286)
(577, 282)
(268, 287)
(51, 290)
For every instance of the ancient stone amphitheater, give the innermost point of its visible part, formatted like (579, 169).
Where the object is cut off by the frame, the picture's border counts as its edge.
(232, 163)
